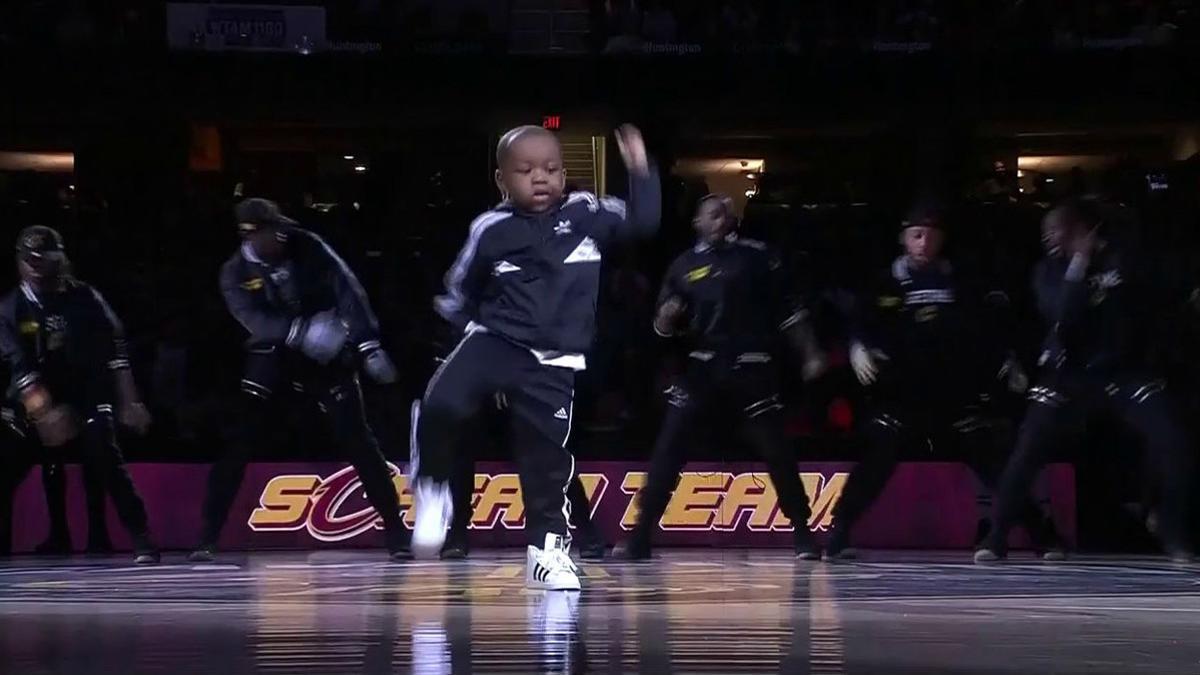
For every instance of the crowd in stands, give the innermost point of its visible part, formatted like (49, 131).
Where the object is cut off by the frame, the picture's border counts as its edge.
(633, 25)
(664, 26)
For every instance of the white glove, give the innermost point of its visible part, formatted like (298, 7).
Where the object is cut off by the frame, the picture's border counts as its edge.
(134, 415)
(57, 426)
(863, 361)
(632, 149)
(379, 367)
(1014, 376)
(320, 337)
(814, 366)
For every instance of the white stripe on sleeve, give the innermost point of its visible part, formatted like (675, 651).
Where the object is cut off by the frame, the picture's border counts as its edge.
(454, 300)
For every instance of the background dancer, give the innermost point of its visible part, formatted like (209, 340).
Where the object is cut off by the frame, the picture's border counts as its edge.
(1089, 292)
(65, 349)
(734, 296)
(311, 331)
(931, 347)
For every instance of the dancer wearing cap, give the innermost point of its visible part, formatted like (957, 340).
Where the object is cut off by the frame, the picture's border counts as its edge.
(932, 350)
(65, 349)
(311, 330)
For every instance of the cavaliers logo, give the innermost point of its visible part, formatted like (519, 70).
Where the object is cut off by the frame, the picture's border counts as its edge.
(334, 508)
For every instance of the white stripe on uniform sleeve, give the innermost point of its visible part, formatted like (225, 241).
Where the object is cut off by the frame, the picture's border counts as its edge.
(348, 274)
(593, 204)
(613, 205)
(453, 301)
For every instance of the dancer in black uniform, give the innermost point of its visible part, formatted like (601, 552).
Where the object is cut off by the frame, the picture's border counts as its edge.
(311, 332)
(932, 349)
(738, 304)
(1089, 293)
(65, 350)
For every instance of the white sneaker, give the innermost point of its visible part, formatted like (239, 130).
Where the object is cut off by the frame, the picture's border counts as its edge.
(551, 568)
(433, 513)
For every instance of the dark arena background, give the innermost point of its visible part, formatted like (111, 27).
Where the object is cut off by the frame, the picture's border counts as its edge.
(133, 127)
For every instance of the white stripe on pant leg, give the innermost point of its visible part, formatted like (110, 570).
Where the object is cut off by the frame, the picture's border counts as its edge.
(570, 474)
(570, 417)
(437, 374)
(414, 450)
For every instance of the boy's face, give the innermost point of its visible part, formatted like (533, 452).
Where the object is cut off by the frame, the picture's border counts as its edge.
(532, 174)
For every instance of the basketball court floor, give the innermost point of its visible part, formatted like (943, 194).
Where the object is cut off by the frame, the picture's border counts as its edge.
(689, 611)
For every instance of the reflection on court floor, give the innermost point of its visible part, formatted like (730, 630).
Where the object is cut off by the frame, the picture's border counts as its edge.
(689, 611)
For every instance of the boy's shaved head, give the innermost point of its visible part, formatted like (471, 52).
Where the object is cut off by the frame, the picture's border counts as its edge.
(510, 138)
(529, 168)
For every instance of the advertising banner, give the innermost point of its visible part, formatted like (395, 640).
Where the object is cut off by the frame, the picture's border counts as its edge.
(222, 27)
(926, 505)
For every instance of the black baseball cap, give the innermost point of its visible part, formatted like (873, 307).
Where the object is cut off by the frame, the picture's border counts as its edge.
(39, 241)
(925, 213)
(256, 213)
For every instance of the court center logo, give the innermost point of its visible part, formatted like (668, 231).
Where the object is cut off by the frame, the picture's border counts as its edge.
(333, 508)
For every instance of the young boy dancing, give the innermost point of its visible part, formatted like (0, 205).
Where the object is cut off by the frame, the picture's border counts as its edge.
(523, 289)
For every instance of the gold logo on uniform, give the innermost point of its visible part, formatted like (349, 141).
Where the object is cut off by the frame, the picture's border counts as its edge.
(927, 313)
(698, 274)
(29, 327)
(889, 301)
(254, 284)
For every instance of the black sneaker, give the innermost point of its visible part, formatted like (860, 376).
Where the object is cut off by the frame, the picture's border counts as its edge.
(985, 556)
(838, 548)
(593, 549)
(1181, 556)
(204, 553)
(805, 546)
(456, 547)
(632, 549)
(147, 557)
(399, 545)
(54, 546)
(1054, 554)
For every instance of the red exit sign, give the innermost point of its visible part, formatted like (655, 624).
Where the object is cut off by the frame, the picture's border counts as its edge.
(553, 122)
